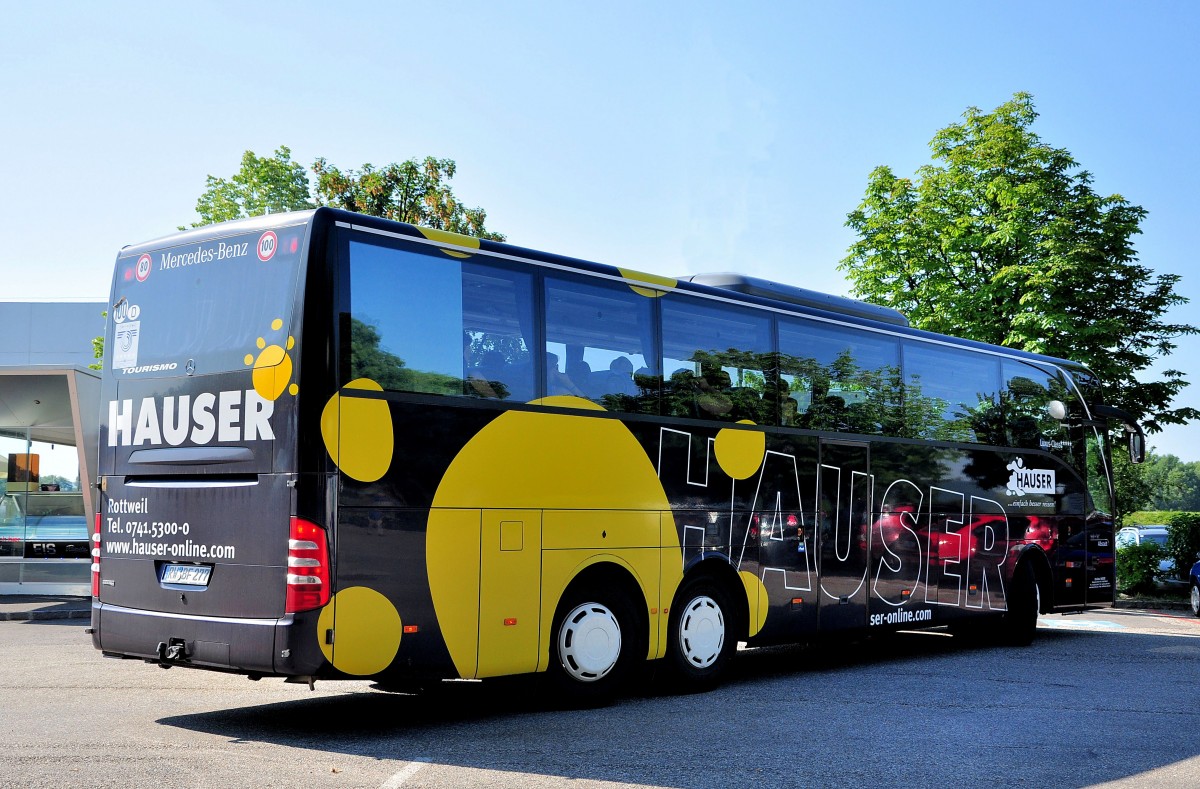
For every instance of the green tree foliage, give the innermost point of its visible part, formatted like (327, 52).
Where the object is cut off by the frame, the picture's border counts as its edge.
(1174, 484)
(260, 186)
(1004, 240)
(415, 192)
(1132, 489)
(98, 349)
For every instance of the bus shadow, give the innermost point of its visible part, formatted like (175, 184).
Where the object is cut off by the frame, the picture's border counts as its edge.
(840, 699)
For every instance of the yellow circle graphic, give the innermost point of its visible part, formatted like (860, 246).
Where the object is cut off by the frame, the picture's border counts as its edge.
(740, 453)
(272, 372)
(649, 279)
(756, 596)
(446, 237)
(358, 432)
(538, 461)
(366, 631)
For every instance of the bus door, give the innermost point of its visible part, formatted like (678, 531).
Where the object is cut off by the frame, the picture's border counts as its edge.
(844, 498)
(510, 561)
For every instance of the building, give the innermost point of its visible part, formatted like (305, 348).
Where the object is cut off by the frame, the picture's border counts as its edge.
(49, 415)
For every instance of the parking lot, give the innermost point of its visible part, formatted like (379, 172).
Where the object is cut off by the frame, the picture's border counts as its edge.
(1105, 698)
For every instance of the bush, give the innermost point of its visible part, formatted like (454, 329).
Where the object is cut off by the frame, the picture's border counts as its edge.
(1147, 517)
(1183, 540)
(1137, 567)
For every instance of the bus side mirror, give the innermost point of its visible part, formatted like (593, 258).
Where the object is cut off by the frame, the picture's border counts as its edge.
(1137, 439)
(1137, 447)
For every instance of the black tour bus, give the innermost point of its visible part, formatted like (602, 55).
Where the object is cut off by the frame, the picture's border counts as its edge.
(336, 446)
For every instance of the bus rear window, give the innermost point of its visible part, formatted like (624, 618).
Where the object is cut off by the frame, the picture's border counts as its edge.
(207, 305)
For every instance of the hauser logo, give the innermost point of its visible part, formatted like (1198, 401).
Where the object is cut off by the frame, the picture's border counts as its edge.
(1029, 480)
(224, 416)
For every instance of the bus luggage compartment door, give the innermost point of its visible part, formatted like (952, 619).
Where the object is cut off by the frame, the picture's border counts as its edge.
(509, 592)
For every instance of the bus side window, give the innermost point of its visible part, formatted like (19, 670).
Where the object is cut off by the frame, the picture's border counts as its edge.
(497, 324)
(723, 361)
(597, 334)
(1028, 391)
(951, 394)
(423, 322)
(402, 337)
(839, 378)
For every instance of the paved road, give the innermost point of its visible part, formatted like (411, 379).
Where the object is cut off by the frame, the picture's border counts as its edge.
(1105, 698)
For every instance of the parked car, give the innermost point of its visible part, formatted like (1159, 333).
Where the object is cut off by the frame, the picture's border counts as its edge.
(1194, 583)
(1136, 535)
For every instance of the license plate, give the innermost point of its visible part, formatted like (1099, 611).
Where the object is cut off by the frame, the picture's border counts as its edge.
(186, 574)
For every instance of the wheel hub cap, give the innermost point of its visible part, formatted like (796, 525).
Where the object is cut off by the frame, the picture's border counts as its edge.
(589, 642)
(702, 631)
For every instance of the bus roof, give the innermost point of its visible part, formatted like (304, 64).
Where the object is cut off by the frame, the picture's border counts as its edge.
(726, 286)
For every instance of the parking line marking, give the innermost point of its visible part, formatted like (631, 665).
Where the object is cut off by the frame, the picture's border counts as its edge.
(1079, 624)
(409, 770)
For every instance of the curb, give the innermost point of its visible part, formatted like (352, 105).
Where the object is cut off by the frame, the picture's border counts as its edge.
(1155, 605)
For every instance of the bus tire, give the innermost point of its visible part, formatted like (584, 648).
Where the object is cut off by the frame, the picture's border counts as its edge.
(701, 636)
(1020, 621)
(593, 645)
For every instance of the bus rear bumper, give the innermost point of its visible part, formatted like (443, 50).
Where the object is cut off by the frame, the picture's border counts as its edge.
(245, 646)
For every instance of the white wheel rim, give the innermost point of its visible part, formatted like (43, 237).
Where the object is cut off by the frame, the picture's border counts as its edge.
(589, 642)
(702, 631)
(1195, 599)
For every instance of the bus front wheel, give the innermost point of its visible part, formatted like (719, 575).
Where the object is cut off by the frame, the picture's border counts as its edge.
(701, 636)
(1020, 622)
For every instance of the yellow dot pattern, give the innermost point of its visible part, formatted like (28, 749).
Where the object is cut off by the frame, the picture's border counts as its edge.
(367, 631)
(272, 375)
(554, 462)
(648, 279)
(756, 596)
(358, 432)
(446, 237)
(740, 453)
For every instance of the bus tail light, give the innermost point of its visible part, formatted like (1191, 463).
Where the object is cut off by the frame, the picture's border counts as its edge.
(307, 567)
(96, 559)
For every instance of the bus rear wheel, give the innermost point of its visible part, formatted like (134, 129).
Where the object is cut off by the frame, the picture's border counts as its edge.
(701, 636)
(593, 646)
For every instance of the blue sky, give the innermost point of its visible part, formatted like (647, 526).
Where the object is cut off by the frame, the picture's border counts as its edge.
(672, 137)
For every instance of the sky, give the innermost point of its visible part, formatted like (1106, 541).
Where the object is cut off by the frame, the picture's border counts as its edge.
(671, 137)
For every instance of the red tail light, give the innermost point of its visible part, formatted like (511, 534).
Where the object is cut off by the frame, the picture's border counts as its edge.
(792, 520)
(307, 567)
(96, 559)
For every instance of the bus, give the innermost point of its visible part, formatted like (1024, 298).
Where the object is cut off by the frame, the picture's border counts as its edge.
(336, 446)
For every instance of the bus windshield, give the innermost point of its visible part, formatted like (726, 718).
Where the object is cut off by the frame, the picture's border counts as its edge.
(203, 302)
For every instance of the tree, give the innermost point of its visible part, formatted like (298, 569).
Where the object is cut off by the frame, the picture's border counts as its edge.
(1131, 488)
(1004, 240)
(260, 186)
(411, 191)
(1174, 485)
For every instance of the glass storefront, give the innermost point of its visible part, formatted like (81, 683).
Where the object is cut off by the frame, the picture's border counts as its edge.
(44, 536)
